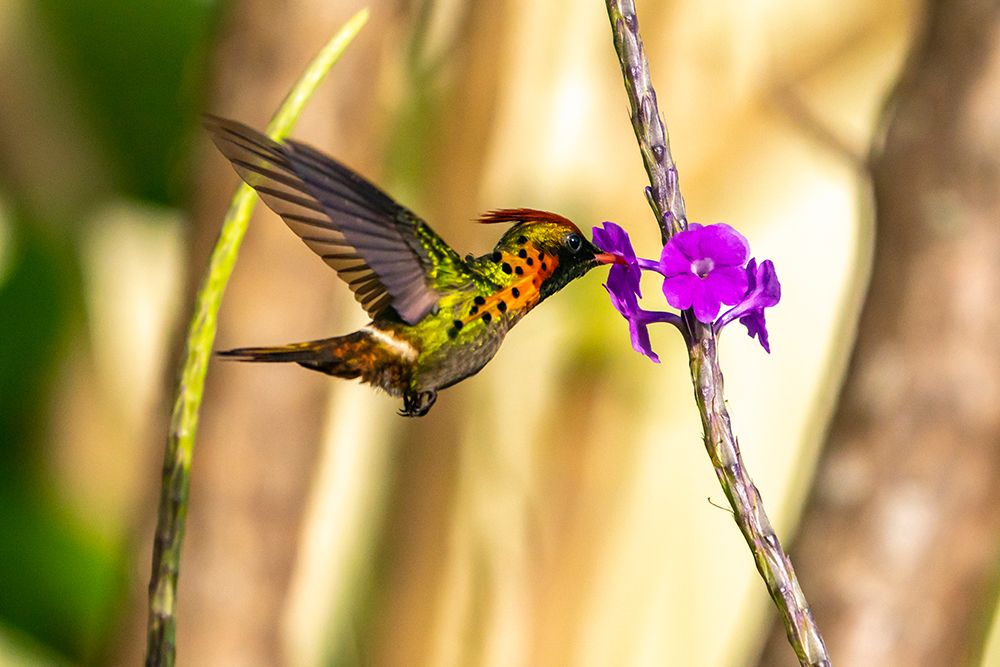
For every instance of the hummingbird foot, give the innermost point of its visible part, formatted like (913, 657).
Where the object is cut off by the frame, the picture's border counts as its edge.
(417, 404)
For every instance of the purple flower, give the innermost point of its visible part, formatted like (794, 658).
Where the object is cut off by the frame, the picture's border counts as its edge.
(623, 287)
(625, 274)
(763, 291)
(704, 268)
(625, 302)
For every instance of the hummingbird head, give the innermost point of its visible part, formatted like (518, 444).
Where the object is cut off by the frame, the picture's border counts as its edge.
(547, 244)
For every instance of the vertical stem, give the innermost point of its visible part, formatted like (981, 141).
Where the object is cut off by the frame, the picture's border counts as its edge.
(665, 198)
(664, 195)
(161, 628)
(772, 562)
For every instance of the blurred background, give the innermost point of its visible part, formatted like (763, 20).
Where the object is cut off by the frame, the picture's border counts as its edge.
(558, 508)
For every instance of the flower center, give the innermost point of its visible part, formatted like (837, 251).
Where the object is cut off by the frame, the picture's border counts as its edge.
(702, 267)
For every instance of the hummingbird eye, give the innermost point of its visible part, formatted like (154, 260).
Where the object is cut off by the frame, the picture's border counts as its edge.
(574, 242)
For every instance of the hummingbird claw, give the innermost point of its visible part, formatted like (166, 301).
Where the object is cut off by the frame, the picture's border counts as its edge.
(417, 404)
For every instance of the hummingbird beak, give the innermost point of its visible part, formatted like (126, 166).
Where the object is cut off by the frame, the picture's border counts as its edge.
(609, 258)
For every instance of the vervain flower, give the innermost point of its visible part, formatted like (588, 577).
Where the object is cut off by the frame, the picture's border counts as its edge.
(626, 273)
(763, 291)
(624, 301)
(703, 268)
(623, 287)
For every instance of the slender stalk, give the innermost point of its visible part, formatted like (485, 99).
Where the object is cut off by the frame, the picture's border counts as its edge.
(664, 193)
(772, 562)
(161, 628)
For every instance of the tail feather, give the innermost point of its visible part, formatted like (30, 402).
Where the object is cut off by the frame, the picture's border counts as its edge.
(297, 353)
(344, 356)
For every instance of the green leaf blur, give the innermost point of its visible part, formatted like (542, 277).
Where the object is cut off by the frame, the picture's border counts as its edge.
(137, 67)
(134, 75)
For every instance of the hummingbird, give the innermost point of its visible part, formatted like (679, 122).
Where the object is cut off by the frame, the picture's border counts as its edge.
(436, 317)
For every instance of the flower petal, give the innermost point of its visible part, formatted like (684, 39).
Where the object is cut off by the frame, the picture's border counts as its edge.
(624, 282)
(680, 290)
(639, 332)
(706, 302)
(729, 283)
(684, 245)
(638, 320)
(624, 300)
(756, 326)
(763, 291)
(767, 284)
(623, 279)
(724, 245)
(612, 238)
(673, 261)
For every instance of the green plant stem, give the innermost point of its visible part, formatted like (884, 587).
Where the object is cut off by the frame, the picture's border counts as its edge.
(664, 195)
(161, 628)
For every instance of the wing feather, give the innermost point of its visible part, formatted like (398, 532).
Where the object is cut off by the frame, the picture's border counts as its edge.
(373, 243)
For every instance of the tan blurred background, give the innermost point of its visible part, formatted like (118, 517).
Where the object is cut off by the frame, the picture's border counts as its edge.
(556, 509)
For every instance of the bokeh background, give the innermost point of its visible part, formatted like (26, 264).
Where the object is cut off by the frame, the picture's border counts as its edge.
(558, 508)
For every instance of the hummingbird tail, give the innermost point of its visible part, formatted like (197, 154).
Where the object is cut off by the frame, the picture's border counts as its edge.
(363, 354)
(327, 356)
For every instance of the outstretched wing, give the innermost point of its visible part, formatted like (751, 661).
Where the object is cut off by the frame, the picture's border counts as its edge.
(385, 253)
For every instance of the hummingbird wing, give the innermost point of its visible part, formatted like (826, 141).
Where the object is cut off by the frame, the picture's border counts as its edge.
(385, 253)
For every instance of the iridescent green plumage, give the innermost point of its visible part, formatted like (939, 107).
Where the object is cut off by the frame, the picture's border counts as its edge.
(436, 318)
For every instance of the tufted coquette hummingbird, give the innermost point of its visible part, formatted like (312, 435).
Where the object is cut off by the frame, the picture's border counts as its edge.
(436, 318)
